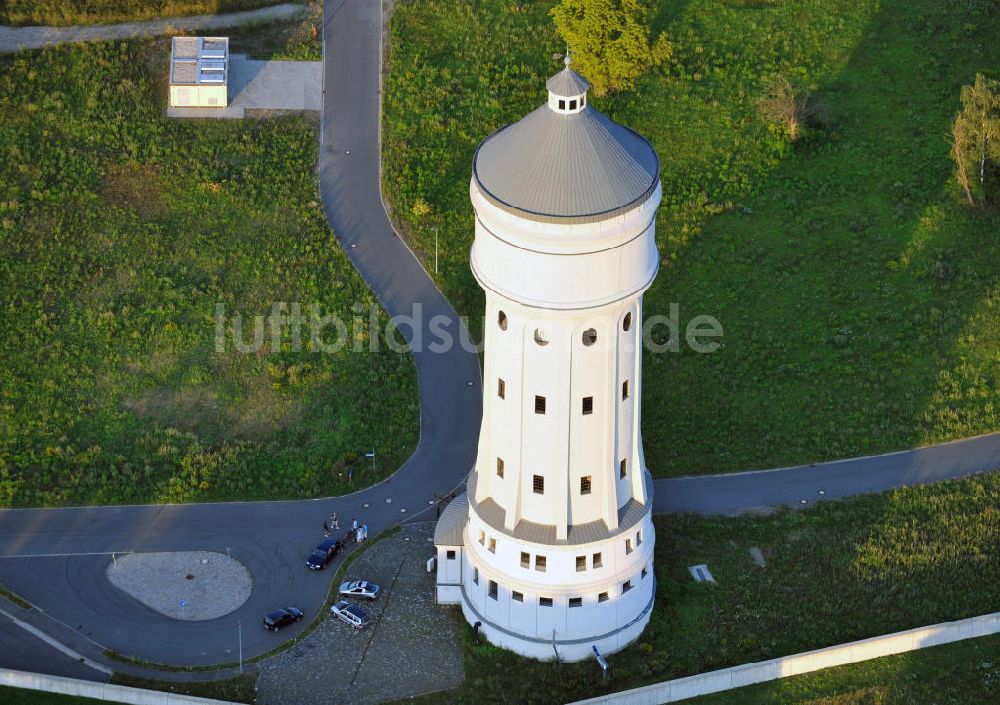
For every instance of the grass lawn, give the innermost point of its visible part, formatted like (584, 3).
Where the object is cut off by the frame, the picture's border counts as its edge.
(963, 673)
(120, 231)
(834, 573)
(21, 696)
(72, 12)
(860, 300)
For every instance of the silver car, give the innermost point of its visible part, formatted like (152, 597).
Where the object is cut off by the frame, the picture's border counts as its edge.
(360, 588)
(352, 614)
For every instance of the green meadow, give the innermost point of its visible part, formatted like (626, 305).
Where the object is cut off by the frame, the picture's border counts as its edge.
(120, 232)
(860, 300)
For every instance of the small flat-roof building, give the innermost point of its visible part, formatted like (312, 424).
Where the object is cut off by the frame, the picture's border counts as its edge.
(199, 72)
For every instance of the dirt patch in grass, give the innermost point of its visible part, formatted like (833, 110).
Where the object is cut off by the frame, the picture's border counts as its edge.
(135, 187)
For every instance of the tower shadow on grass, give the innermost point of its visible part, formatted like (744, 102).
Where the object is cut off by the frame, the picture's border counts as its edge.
(846, 283)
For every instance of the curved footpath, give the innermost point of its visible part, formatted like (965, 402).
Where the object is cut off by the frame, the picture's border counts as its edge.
(56, 558)
(16, 38)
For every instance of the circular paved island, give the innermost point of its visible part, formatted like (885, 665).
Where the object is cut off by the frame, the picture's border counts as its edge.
(189, 585)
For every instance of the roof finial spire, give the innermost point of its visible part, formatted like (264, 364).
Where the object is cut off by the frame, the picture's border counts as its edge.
(567, 60)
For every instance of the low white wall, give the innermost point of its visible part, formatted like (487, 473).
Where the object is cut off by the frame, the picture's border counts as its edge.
(748, 674)
(98, 691)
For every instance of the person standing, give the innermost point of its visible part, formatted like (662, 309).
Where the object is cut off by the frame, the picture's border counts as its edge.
(336, 521)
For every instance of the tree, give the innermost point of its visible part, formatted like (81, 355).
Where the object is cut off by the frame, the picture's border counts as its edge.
(790, 106)
(420, 208)
(609, 41)
(975, 141)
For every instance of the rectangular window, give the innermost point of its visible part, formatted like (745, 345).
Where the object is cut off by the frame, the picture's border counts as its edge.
(597, 561)
(638, 538)
(475, 575)
(501, 389)
(588, 405)
(525, 560)
(539, 404)
(572, 105)
(517, 596)
(576, 602)
(581, 564)
(540, 564)
(644, 571)
(544, 601)
(585, 484)
(624, 390)
(493, 545)
(603, 597)
(482, 538)
(628, 546)
(622, 469)
(562, 104)
(493, 589)
(450, 555)
(499, 467)
(538, 484)
(626, 586)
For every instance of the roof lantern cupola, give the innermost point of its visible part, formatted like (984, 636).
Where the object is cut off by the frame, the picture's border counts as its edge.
(567, 90)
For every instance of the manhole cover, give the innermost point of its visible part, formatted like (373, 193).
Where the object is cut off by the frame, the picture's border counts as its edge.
(189, 577)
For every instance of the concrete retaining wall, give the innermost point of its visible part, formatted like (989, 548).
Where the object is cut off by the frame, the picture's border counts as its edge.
(98, 691)
(748, 674)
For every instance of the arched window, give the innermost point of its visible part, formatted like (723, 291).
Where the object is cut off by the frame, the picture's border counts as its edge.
(589, 336)
(541, 337)
(627, 323)
(502, 320)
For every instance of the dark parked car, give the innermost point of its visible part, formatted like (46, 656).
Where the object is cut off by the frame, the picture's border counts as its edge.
(282, 618)
(322, 554)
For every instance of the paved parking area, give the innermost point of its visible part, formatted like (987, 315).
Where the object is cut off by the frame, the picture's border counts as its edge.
(412, 647)
(263, 86)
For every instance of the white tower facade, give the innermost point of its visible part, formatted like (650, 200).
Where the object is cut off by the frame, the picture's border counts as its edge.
(550, 550)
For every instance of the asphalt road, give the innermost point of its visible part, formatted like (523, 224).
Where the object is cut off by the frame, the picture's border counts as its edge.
(22, 651)
(748, 491)
(57, 558)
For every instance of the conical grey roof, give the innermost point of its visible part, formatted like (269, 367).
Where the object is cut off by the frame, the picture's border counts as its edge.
(577, 167)
(567, 84)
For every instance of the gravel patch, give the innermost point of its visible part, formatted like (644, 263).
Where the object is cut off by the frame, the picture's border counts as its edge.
(412, 647)
(188, 585)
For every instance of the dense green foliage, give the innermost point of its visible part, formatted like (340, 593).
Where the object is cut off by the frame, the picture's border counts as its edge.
(860, 299)
(963, 673)
(70, 12)
(609, 40)
(835, 573)
(120, 231)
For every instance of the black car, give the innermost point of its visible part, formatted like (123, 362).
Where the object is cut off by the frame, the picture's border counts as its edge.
(322, 554)
(282, 618)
